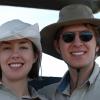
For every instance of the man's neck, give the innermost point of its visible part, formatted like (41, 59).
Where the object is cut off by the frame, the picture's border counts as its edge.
(79, 77)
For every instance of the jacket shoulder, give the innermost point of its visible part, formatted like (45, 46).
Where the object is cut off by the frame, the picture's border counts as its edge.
(49, 90)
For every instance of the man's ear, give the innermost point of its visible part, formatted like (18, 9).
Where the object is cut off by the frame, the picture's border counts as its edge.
(56, 45)
(97, 48)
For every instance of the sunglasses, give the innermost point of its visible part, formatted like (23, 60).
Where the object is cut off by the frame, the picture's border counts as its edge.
(84, 36)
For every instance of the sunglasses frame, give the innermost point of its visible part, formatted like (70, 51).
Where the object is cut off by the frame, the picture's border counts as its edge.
(84, 36)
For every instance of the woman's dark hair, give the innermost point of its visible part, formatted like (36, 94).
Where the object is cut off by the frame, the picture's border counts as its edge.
(34, 72)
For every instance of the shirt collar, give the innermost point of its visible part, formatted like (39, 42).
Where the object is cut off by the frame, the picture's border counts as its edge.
(94, 74)
(33, 93)
(64, 84)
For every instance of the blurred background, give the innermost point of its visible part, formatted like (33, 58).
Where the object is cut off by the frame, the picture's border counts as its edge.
(50, 66)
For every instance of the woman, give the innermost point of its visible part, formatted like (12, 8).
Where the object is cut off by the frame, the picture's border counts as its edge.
(20, 57)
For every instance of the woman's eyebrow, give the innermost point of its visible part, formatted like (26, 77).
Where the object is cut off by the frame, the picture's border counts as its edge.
(4, 42)
(23, 42)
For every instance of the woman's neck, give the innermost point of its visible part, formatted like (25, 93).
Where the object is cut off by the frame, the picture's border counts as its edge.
(19, 87)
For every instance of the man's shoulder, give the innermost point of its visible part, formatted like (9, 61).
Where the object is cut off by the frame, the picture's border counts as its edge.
(48, 90)
(51, 86)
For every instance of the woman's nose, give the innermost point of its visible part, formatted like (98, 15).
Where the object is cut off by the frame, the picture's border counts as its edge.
(15, 54)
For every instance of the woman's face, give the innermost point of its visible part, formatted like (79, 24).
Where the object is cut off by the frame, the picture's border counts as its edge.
(16, 58)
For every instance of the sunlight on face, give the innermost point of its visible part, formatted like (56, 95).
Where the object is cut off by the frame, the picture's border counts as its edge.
(16, 58)
(32, 15)
(79, 53)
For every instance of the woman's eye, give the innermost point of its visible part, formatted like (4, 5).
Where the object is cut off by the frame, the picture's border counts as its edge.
(6, 48)
(23, 47)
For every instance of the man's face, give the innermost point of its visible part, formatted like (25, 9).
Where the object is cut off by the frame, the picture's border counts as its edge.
(76, 50)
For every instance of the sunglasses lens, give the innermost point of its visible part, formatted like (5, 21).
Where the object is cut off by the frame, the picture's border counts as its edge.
(86, 36)
(68, 37)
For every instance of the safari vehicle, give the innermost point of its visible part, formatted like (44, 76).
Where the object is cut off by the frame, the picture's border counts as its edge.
(48, 5)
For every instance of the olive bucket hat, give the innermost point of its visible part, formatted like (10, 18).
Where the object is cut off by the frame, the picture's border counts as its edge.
(71, 14)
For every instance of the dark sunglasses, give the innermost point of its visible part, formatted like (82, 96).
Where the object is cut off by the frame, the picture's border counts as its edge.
(84, 36)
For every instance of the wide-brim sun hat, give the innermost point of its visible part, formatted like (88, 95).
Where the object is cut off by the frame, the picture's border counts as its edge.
(17, 29)
(71, 14)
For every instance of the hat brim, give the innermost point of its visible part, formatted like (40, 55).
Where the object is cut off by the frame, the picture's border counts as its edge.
(48, 33)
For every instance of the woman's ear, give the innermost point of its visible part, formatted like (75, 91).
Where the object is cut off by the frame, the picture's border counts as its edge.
(35, 57)
(56, 45)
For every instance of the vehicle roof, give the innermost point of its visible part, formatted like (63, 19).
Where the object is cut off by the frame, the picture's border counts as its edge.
(51, 4)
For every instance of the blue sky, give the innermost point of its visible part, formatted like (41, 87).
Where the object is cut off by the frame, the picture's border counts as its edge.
(50, 65)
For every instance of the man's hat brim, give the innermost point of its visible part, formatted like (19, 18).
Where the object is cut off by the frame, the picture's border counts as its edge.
(48, 34)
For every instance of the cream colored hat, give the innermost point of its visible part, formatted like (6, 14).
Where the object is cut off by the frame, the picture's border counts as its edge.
(16, 29)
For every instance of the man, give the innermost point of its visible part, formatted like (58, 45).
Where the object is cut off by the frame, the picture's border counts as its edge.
(74, 39)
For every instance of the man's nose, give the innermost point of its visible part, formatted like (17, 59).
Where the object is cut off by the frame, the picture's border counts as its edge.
(77, 41)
